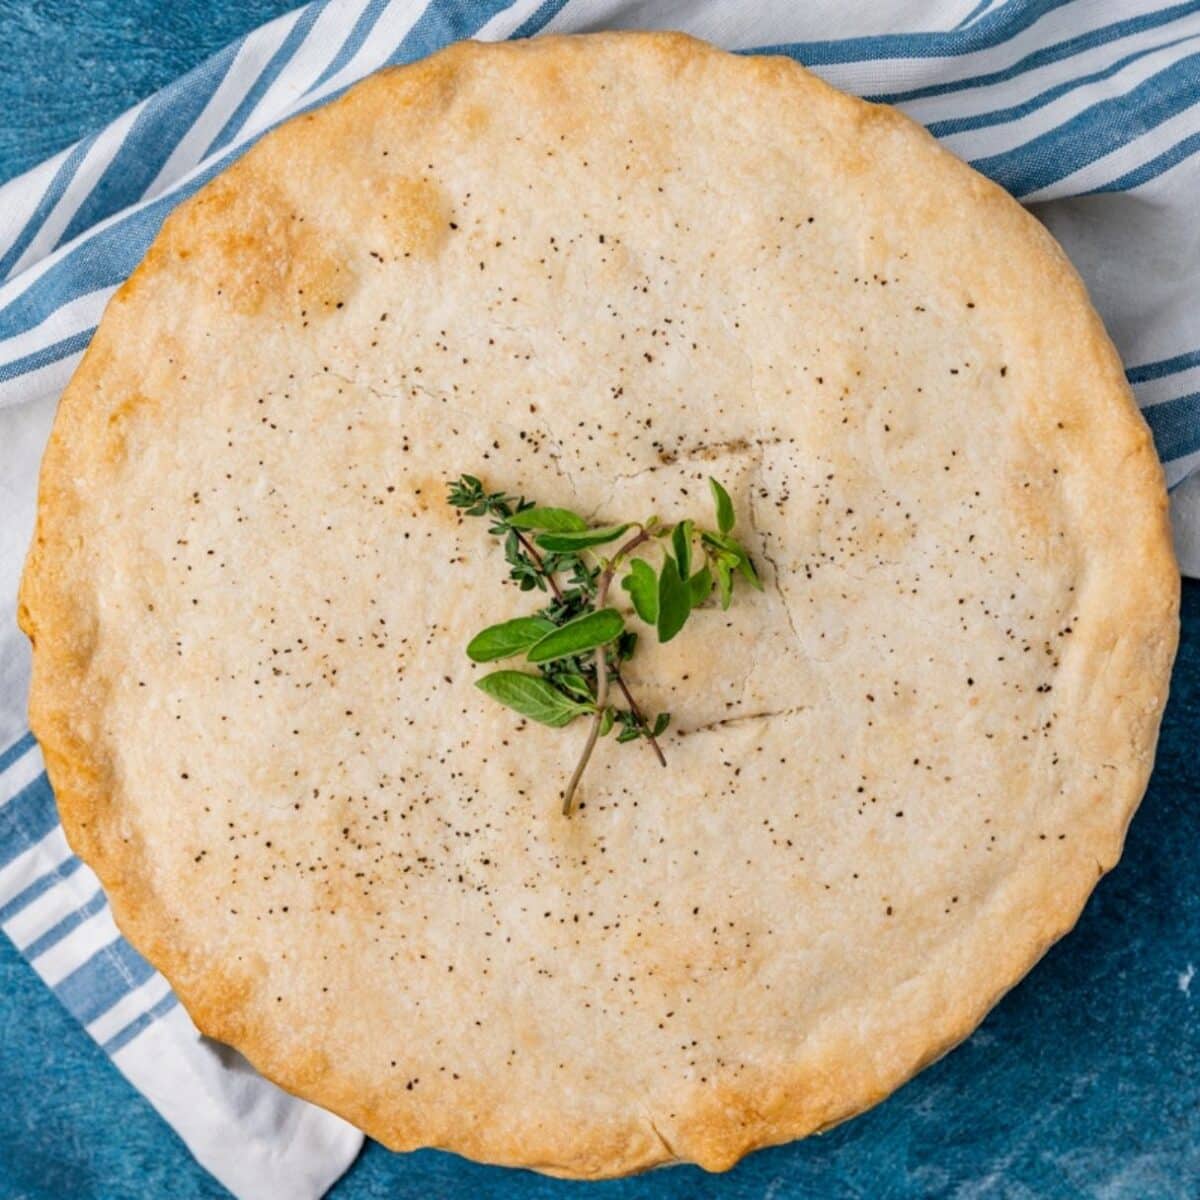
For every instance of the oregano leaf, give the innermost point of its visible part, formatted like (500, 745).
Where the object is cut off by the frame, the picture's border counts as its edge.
(681, 542)
(642, 586)
(674, 600)
(584, 633)
(573, 682)
(733, 549)
(724, 581)
(747, 568)
(722, 504)
(532, 696)
(508, 638)
(572, 541)
(699, 586)
(553, 520)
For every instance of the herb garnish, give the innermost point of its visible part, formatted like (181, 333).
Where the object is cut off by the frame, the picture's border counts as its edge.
(578, 641)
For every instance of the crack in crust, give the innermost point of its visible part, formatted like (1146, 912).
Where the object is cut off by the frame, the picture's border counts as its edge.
(744, 718)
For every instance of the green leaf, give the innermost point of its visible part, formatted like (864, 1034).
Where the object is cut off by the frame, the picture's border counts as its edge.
(629, 734)
(660, 724)
(719, 541)
(532, 696)
(575, 684)
(739, 554)
(584, 633)
(642, 586)
(626, 644)
(569, 542)
(745, 564)
(724, 571)
(748, 569)
(606, 722)
(674, 600)
(553, 520)
(507, 638)
(699, 586)
(722, 504)
(681, 539)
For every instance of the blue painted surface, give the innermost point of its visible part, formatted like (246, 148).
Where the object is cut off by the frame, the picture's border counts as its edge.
(1084, 1082)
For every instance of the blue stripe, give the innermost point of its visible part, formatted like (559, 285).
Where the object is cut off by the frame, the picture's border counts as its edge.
(439, 25)
(980, 8)
(1095, 132)
(26, 819)
(990, 30)
(71, 922)
(108, 976)
(39, 887)
(1175, 425)
(18, 749)
(46, 355)
(354, 40)
(1152, 169)
(104, 260)
(1163, 367)
(1046, 54)
(538, 19)
(158, 129)
(1014, 112)
(52, 195)
(121, 1039)
(275, 66)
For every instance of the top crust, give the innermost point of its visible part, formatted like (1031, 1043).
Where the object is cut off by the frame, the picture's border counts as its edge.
(598, 269)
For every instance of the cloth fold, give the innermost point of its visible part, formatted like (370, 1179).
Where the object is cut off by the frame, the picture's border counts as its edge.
(1087, 110)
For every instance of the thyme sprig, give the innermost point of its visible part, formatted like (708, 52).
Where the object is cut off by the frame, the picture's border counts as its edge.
(577, 641)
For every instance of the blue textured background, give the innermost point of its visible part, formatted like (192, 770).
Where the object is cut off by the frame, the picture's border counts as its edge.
(1084, 1082)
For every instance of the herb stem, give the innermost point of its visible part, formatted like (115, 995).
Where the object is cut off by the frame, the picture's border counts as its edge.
(606, 578)
(503, 512)
(536, 558)
(593, 730)
(638, 717)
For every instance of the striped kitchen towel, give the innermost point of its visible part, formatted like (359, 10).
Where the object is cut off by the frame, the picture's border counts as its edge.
(1087, 110)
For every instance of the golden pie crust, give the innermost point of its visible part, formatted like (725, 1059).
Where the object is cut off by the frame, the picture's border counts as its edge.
(597, 270)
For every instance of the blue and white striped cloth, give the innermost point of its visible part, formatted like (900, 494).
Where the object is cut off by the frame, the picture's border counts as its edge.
(1087, 110)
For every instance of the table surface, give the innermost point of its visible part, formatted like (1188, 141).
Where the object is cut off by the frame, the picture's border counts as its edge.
(1085, 1081)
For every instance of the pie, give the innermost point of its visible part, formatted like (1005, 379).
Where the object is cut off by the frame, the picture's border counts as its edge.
(596, 271)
